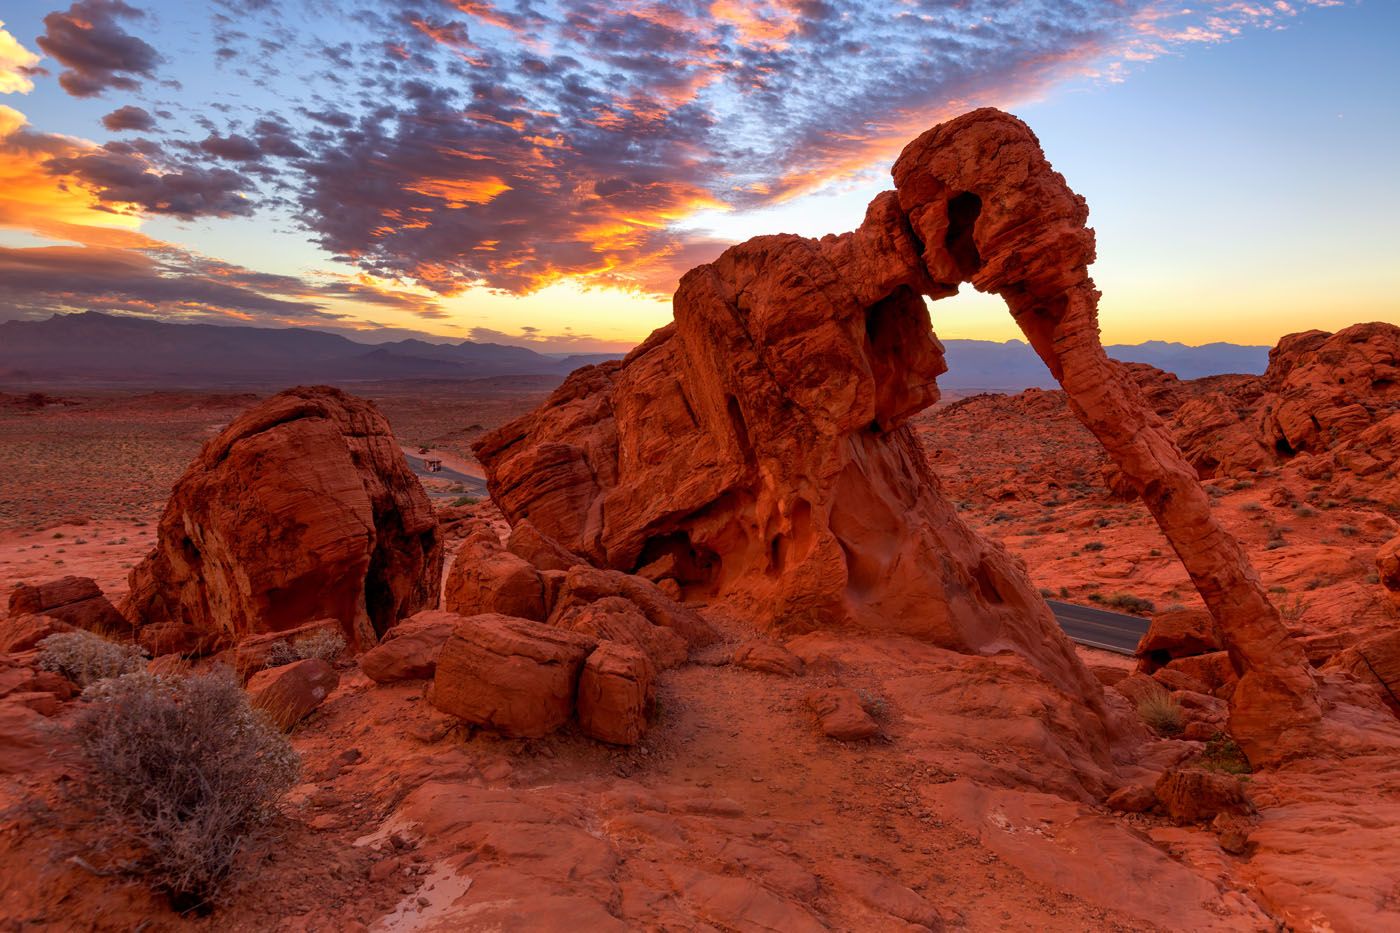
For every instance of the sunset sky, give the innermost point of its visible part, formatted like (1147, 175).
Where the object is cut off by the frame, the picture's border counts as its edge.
(542, 172)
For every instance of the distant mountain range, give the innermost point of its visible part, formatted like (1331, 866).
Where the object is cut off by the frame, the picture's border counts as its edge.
(105, 348)
(95, 347)
(988, 366)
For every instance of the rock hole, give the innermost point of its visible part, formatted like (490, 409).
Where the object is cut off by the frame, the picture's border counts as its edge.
(963, 211)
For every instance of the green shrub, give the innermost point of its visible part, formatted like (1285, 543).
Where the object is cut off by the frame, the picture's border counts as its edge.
(465, 500)
(1223, 755)
(184, 772)
(1162, 713)
(1094, 546)
(85, 658)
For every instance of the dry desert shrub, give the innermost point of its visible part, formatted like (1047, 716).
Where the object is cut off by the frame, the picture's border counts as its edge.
(86, 658)
(185, 773)
(323, 645)
(1160, 711)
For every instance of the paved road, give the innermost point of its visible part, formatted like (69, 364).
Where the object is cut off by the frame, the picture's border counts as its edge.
(1099, 628)
(475, 485)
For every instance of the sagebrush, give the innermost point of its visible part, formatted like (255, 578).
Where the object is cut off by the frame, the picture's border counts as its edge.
(85, 658)
(186, 773)
(324, 645)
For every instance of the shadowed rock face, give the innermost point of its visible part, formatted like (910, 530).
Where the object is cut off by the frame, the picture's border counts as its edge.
(303, 508)
(756, 449)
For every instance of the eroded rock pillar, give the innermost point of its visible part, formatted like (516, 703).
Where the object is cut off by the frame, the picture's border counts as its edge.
(990, 210)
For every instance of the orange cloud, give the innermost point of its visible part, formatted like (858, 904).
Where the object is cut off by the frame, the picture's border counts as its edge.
(57, 206)
(459, 192)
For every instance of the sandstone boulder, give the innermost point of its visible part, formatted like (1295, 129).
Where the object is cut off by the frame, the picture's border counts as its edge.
(841, 715)
(615, 694)
(487, 578)
(16, 678)
(1212, 670)
(24, 632)
(545, 553)
(1174, 679)
(1132, 798)
(583, 585)
(1176, 633)
(1192, 795)
(289, 693)
(303, 508)
(768, 658)
(515, 676)
(410, 649)
(1139, 687)
(75, 600)
(615, 619)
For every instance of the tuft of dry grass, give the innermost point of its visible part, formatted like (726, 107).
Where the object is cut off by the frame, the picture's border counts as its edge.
(183, 772)
(1162, 713)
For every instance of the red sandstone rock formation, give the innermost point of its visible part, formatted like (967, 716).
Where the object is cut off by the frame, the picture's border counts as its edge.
(515, 676)
(615, 693)
(409, 650)
(76, 600)
(1328, 385)
(1388, 568)
(303, 508)
(757, 447)
(485, 577)
(841, 715)
(288, 694)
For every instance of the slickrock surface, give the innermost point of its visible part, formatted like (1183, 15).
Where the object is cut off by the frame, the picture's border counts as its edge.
(757, 450)
(303, 508)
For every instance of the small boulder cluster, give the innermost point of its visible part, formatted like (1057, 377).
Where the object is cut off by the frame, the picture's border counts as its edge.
(1184, 677)
(522, 648)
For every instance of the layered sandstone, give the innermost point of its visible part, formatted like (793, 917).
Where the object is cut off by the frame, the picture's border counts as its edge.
(78, 601)
(303, 508)
(757, 451)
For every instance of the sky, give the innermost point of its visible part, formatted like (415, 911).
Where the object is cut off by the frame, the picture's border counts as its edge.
(543, 172)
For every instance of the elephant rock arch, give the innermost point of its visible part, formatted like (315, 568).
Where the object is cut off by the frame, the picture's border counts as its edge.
(756, 451)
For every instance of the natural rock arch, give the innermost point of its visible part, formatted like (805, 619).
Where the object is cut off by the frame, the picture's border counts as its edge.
(756, 450)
